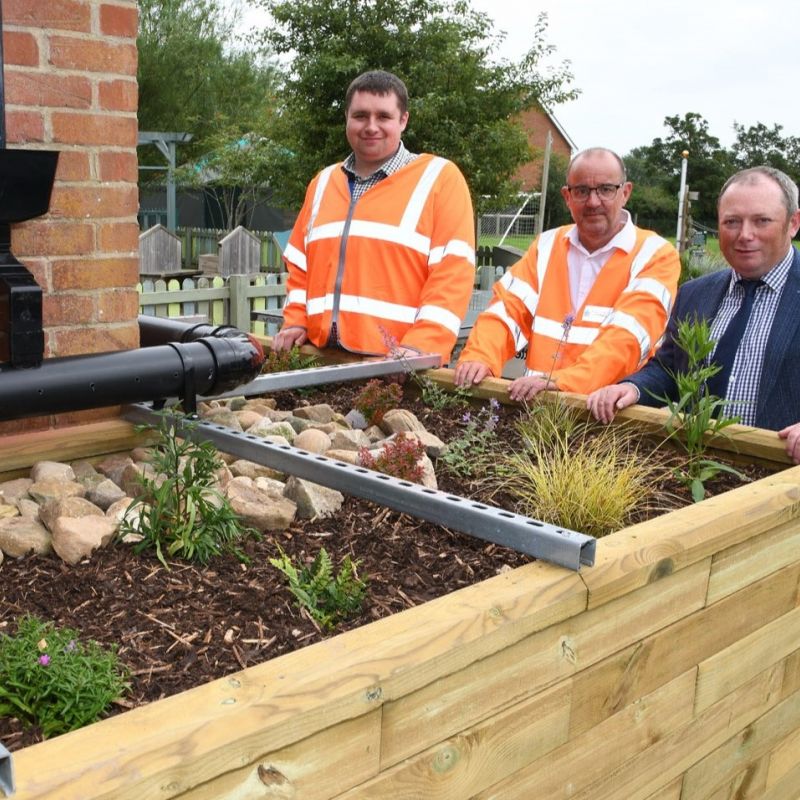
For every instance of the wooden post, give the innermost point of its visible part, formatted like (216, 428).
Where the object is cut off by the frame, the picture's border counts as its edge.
(543, 187)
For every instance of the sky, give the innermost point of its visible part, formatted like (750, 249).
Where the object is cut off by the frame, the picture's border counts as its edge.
(638, 61)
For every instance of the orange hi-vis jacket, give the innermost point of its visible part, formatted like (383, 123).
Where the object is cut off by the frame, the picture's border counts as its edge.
(395, 267)
(613, 333)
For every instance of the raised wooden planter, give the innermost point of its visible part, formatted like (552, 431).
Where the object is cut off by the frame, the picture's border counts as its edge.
(670, 669)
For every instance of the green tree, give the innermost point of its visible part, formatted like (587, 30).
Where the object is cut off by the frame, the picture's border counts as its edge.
(462, 103)
(760, 145)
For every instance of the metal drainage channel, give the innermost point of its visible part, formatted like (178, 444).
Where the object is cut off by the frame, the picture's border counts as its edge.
(539, 539)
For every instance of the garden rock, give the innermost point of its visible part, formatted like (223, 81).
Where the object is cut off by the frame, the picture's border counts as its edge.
(237, 403)
(313, 440)
(28, 508)
(83, 469)
(261, 405)
(66, 507)
(375, 434)
(223, 416)
(277, 416)
(75, 538)
(104, 494)
(131, 479)
(116, 511)
(7, 511)
(279, 440)
(11, 491)
(42, 491)
(350, 440)
(249, 469)
(399, 419)
(313, 501)
(348, 456)
(268, 485)
(113, 467)
(22, 535)
(434, 446)
(51, 471)
(267, 427)
(355, 419)
(248, 418)
(318, 413)
(144, 454)
(262, 510)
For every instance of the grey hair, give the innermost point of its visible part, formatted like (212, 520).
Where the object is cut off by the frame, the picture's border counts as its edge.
(749, 176)
(594, 151)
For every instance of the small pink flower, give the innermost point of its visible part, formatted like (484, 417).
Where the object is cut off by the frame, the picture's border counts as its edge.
(44, 659)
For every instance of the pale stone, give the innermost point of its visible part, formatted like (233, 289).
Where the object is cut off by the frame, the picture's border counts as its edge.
(22, 535)
(104, 493)
(355, 419)
(268, 428)
(50, 511)
(274, 415)
(428, 473)
(223, 416)
(434, 446)
(261, 510)
(313, 501)
(268, 485)
(399, 419)
(83, 469)
(51, 471)
(313, 440)
(28, 507)
(11, 491)
(8, 511)
(375, 434)
(131, 479)
(237, 403)
(261, 404)
(42, 491)
(318, 413)
(223, 476)
(144, 454)
(348, 456)
(113, 467)
(248, 418)
(75, 538)
(349, 440)
(250, 469)
(116, 511)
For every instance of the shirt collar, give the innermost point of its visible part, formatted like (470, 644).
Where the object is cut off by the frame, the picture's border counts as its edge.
(624, 239)
(388, 167)
(775, 278)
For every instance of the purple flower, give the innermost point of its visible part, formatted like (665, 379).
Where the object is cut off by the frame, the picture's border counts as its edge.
(44, 659)
(467, 418)
(567, 323)
(494, 404)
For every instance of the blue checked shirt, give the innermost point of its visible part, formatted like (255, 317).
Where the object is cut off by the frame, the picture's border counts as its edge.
(360, 185)
(742, 392)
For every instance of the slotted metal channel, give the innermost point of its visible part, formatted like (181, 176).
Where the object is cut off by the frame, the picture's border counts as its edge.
(539, 539)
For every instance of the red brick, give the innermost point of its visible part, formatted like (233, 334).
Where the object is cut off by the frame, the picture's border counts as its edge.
(40, 269)
(47, 237)
(73, 166)
(119, 166)
(92, 55)
(118, 237)
(68, 309)
(24, 126)
(100, 273)
(108, 130)
(119, 21)
(65, 15)
(20, 48)
(119, 306)
(95, 339)
(85, 417)
(119, 96)
(48, 89)
(95, 201)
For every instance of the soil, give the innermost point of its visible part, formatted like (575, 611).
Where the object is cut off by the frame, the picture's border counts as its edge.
(179, 627)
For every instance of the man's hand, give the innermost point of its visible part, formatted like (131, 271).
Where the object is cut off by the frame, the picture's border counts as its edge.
(792, 436)
(527, 387)
(287, 338)
(605, 402)
(469, 373)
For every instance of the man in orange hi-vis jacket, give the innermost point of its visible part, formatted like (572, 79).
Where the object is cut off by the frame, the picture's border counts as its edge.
(590, 301)
(382, 256)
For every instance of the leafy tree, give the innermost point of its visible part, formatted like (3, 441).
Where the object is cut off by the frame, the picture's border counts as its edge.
(759, 145)
(462, 103)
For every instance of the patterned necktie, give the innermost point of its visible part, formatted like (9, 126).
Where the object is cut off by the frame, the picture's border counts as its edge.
(729, 342)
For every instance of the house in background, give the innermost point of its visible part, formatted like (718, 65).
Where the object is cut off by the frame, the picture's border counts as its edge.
(537, 122)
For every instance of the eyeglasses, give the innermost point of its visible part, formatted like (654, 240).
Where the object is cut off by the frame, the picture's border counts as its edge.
(605, 191)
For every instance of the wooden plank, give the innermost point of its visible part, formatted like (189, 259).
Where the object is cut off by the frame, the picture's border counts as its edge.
(439, 710)
(744, 563)
(670, 792)
(178, 743)
(749, 784)
(724, 671)
(579, 764)
(476, 758)
(318, 768)
(784, 758)
(791, 675)
(746, 747)
(617, 681)
(785, 789)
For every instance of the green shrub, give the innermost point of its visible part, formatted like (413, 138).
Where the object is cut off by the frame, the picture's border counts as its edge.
(467, 454)
(288, 360)
(399, 458)
(49, 678)
(377, 397)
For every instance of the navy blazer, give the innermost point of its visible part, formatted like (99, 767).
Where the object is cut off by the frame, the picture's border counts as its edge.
(778, 403)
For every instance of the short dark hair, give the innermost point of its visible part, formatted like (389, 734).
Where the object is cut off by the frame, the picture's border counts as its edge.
(752, 175)
(378, 82)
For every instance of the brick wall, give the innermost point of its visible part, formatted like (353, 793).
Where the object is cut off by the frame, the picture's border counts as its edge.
(70, 85)
(537, 124)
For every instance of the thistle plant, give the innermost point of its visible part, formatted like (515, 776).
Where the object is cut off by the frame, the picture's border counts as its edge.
(49, 678)
(329, 597)
(181, 511)
(466, 455)
(697, 414)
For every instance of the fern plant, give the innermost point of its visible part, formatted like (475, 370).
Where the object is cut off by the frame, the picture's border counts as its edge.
(329, 597)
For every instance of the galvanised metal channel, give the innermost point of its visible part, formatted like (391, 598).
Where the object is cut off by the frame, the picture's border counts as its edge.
(539, 539)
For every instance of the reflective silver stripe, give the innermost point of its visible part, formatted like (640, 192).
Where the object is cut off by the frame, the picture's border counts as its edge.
(374, 230)
(652, 287)
(292, 254)
(447, 319)
(420, 194)
(499, 310)
(363, 305)
(522, 289)
(322, 184)
(296, 296)
(650, 247)
(544, 246)
(537, 372)
(455, 247)
(577, 334)
(629, 323)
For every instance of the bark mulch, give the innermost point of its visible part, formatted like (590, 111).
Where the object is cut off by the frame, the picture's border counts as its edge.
(184, 626)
